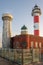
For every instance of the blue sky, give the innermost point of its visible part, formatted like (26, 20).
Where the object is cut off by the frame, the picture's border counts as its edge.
(21, 11)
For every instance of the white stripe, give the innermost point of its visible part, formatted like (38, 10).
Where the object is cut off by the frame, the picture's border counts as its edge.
(36, 26)
(36, 14)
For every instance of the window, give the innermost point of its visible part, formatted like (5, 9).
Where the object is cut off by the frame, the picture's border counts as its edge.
(36, 44)
(24, 44)
(32, 44)
(40, 44)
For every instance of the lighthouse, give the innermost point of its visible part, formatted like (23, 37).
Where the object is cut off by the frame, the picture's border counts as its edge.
(36, 12)
(7, 18)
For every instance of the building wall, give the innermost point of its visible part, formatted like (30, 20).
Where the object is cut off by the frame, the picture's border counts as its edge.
(27, 42)
(19, 41)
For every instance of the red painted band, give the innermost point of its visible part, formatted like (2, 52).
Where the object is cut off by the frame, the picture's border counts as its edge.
(36, 32)
(36, 19)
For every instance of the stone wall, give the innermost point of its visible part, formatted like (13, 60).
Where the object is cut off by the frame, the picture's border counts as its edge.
(21, 56)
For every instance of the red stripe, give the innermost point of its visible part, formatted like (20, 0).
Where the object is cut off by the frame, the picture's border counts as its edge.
(36, 32)
(36, 19)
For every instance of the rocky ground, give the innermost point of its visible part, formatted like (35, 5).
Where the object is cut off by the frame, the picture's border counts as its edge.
(5, 62)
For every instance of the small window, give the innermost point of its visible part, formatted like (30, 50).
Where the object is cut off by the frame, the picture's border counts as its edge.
(24, 44)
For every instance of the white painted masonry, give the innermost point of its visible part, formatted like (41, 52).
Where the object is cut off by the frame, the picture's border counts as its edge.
(7, 18)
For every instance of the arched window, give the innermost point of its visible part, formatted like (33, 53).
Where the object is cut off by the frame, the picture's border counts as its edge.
(40, 45)
(32, 44)
(36, 44)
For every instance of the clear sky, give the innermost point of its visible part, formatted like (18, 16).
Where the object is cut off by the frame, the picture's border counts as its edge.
(21, 11)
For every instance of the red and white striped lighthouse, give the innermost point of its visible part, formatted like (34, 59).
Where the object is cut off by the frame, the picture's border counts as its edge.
(36, 12)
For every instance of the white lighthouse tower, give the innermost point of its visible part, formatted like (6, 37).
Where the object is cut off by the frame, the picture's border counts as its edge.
(7, 18)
